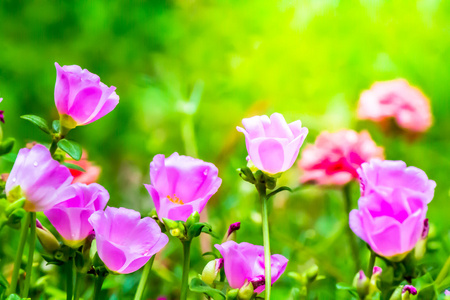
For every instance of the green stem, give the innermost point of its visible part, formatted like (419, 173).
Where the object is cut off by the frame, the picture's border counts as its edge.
(351, 235)
(31, 246)
(186, 263)
(443, 273)
(78, 279)
(144, 277)
(265, 229)
(54, 146)
(98, 286)
(19, 254)
(371, 263)
(69, 278)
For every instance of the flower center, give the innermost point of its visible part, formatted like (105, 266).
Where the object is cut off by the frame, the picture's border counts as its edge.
(175, 199)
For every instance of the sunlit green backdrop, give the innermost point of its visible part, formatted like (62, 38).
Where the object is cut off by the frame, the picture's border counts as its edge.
(188, 71)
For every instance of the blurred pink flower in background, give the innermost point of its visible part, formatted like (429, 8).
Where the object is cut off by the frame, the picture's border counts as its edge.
(40, 178)
(80, 95)
(272, 144)
(334, 157)
(125, 242)
(91, 174)
(396, 99)
(391, 213)
(181, 185)
(2, 118)
(70, 217)
(245, 262)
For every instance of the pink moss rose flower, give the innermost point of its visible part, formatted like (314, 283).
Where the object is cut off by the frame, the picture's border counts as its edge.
(335, 157)
(80, 95)
(272, 144)
(391, 213)
(396, 99)
(39, 177)
(125, 242)
(181, 185)
(71, 216)
(245, 262)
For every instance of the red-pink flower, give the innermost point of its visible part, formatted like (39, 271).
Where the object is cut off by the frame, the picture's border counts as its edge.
(91, 174)
(335, 157)
(399, 100)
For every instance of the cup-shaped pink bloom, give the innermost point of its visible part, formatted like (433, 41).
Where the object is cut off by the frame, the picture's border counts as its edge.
(39, 177)
(71, 216)
(181, 185)
(385, 176)
(272, 144)
(335, 157)
(245, 261)
(396, 99)
(80, 94)
(125, 242)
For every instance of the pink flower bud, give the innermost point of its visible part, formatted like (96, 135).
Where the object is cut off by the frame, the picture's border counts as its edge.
(80, 95)
(125, 242)
(396, 99)
(335, 157)
(181, 185)
(71, 216)
(272, 144)
(39, 177)
(245, 262)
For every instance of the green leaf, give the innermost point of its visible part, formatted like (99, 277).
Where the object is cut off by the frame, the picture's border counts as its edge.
(70, 147)
(6, 146)
(38, 121)
(280, 189)
(197, 285)
(56, 125)
(73, 166)
(10, 157)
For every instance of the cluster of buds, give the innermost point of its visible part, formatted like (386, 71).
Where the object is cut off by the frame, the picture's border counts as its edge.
(366, 287)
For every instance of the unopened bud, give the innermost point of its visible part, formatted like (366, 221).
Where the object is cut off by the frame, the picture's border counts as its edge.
(211, 270)
(231, 233)
(175, 232)
(15, 217)
(193, 218)
(311, 273)
(271, 182)
(246, 291)
(374, 279)
(46, 238)
(361, 283)
(232, 294)
(247, 175)
(407, 291)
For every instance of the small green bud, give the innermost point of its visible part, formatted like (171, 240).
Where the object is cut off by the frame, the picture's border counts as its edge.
(46, 238)
(175, 232)
(311, 273)
(397, 295)
(247, 174)
(211, 271)
(193, 218)
(271, 182)
(246, 291)
(232, 294)
(361, 283)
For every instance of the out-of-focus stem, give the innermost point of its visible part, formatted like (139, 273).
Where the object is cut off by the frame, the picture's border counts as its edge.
(351, 235)
(186, 266)
(371, 263)
(31, 246)
(144, 277)
(69, 279)
(266, 239)
(19, 254)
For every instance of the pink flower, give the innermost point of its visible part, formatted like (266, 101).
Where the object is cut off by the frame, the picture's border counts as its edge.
(245, 261)
(91, 173)
(272, 144)
(70, 217)
(39, 177)
(391, 213)
(399, 100)
(388, 175)
(125, 242)
(335, 157)
(2, 118)
(80, 95)
(181, 185)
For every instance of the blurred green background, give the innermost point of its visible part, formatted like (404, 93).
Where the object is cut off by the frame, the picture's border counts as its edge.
(188, 71)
